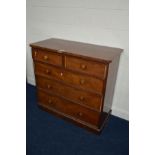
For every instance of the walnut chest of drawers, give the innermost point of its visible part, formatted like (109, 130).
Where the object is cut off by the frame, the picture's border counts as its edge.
(76, 80)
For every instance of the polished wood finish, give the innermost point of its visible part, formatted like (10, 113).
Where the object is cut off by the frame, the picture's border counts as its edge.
(84, 98)
(47, 57)
(86, 66)
(79, 80)
(90, 127)
(68, 108)
(76, 81)
(103, 53)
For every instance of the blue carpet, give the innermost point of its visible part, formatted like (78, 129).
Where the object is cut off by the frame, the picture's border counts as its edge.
(49, 135)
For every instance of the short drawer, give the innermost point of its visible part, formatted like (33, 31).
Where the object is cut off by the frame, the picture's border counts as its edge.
(86, 66)
(68, 108)
(91, 100)
(83, 81)
(47, 57)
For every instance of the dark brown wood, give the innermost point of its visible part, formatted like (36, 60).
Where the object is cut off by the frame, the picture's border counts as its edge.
(78, 48)
(69, 77)
(89, 127)
(47, 57)
(76, 81)
(86, 66)
(89, 99)
(68, 108)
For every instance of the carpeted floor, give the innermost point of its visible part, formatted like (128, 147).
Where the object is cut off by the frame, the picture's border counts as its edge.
(48, 135)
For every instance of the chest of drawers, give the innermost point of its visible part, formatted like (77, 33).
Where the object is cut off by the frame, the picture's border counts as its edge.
(76, 81)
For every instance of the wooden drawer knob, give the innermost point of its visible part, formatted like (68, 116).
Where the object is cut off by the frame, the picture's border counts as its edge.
(45, 57)
(47, 71)
(81, 98)
(80, 114)
(48, 86)
(49, 101)
(83, 66)
(82, 81)
(61, 74)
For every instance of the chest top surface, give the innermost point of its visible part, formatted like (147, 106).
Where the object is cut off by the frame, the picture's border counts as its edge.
(74, 47)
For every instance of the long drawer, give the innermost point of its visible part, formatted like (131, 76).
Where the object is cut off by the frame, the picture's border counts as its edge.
(68, 108)
(86, 98)
(76, 79)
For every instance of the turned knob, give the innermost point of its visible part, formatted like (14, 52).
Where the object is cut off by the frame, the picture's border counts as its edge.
(81, 98)
(80, 113)
(45, 57)
(47, 71)
(83, 66)
(49, 101)
(48, 86)
(82, 81)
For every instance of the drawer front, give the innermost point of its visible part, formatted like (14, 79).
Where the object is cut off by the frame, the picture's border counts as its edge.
(86, 66)
(82, 81)
(68, 108)
(47, 57)
(89, 99)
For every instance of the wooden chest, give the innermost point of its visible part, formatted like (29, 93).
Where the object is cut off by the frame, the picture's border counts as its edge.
(76, 80)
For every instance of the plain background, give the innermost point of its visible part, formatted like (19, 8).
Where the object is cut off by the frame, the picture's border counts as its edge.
(13, 77)
(102, 22)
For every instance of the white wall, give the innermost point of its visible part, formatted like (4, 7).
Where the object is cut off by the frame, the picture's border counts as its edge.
(103, 22)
